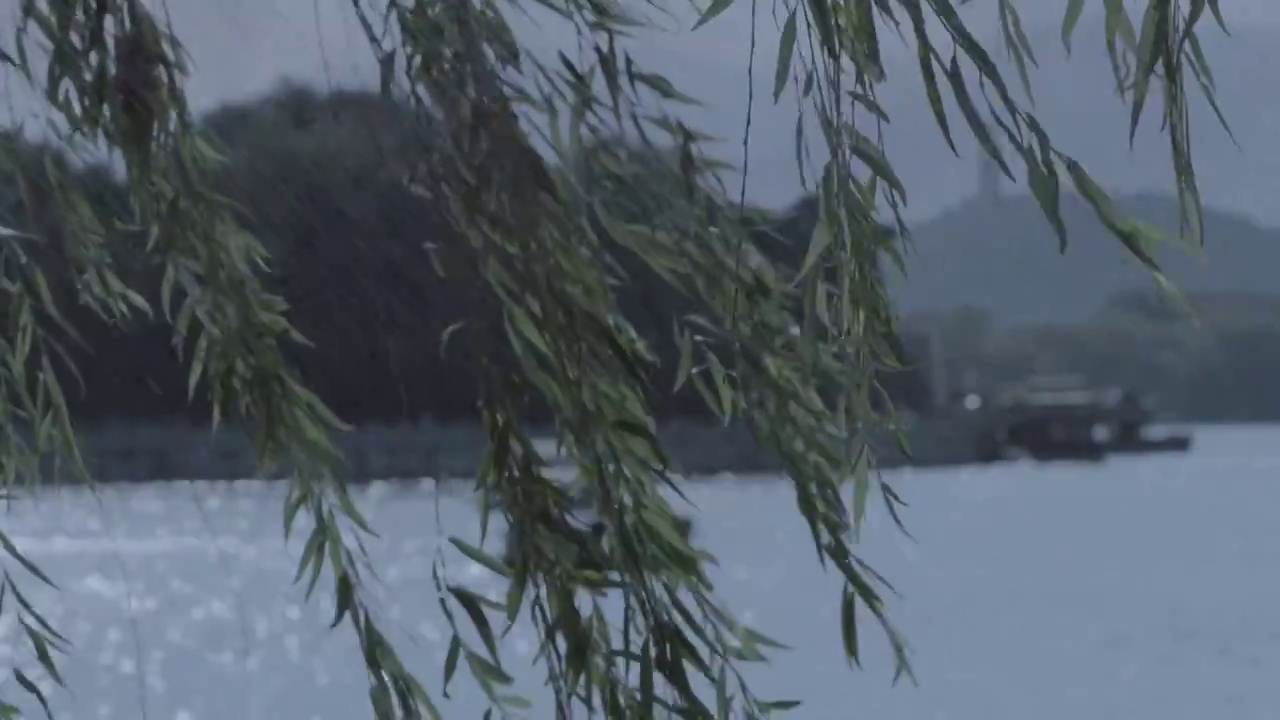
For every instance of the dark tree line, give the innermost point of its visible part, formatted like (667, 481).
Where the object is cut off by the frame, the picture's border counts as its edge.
(320, 180)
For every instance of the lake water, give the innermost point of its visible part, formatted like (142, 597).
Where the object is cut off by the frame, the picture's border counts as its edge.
(1138, 588)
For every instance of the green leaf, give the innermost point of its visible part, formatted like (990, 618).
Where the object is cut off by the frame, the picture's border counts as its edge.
(12, 551)
(723, 706)
(820, 19)
(470, 602)
(865, 149)
(664, 88)
(451, 662)
(685, 343)
(481, 557)
(786, 50)
(485, 671)
(41, 647)
(925, 57)
(646, 675)
(1136, 238)
(723, 386)
(1069, 20)
(861, 488)
(1017, 44)
(515, 702)
(345, 600)
(849, 626)
(380, 699)
(1154, 27)
(31, 611)
(515, 594)
(712, 12)
(755, 637)
(979, 127)
(34, 691)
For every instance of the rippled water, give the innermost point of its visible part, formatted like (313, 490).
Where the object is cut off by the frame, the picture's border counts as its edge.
(1139, 588)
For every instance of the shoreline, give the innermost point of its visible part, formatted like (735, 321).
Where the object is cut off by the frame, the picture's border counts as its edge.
(144, 451)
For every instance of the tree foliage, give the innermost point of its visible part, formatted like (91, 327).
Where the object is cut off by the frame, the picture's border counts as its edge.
(793, 353)
(317, 176)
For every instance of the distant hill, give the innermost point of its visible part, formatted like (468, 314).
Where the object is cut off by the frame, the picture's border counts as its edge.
(998, 254)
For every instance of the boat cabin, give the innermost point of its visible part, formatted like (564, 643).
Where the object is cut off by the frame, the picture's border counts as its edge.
(1063, 417)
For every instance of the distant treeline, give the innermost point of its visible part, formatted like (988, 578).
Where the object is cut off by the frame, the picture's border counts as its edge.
(1218, 364)
(319, 179)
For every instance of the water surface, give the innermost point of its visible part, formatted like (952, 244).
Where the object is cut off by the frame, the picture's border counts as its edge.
(1137, 588)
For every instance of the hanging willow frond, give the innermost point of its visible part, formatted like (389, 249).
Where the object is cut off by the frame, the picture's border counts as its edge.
(544, 252)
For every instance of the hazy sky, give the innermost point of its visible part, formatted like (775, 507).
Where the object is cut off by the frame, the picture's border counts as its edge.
(244, 47)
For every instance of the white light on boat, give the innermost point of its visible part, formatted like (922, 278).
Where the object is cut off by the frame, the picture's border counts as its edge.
(1100, 432)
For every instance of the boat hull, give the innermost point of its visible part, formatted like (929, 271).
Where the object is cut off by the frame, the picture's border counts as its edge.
(1172, 444)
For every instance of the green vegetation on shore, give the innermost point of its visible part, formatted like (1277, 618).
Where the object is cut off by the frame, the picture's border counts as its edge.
(1216, 363)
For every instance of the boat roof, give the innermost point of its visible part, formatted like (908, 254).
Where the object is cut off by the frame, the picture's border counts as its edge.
(1046, 398)
(1060, 392)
